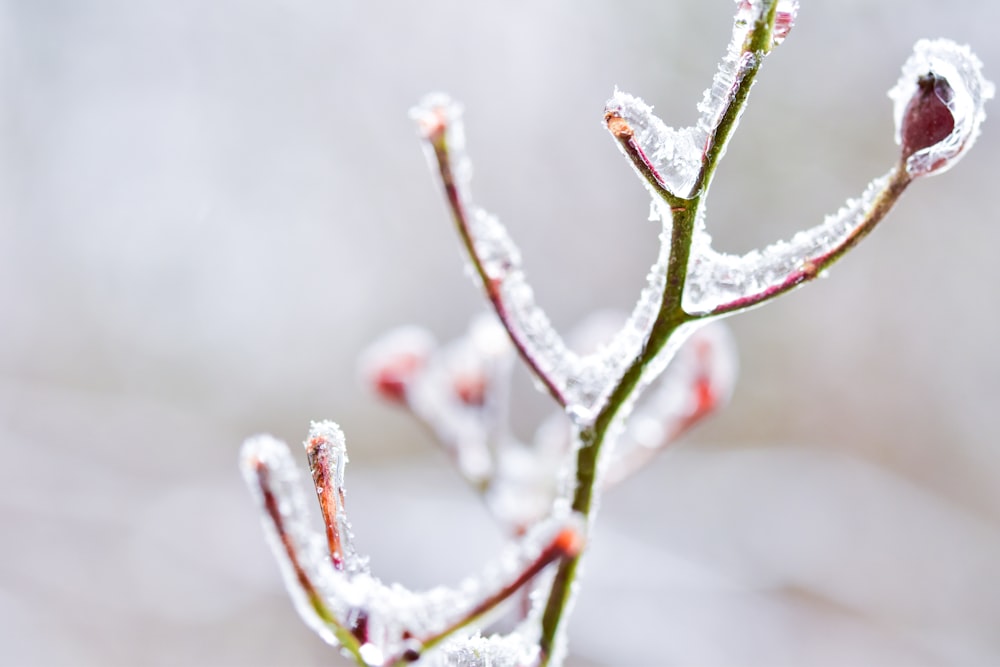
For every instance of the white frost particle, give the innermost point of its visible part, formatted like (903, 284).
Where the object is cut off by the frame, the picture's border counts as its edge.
(964, 74)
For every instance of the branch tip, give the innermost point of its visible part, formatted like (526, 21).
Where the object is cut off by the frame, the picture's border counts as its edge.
(618, 126)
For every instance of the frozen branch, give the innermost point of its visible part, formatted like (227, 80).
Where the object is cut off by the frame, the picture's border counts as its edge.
(337, 596)
(548, 492)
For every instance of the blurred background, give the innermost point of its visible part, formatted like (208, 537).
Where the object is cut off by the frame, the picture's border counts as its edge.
(207, 209)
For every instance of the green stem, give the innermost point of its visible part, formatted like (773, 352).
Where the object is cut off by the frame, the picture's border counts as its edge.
(671, 314)
(669, 318)
(759, 46)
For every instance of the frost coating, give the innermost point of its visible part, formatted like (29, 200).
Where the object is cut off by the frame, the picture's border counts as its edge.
(583, 382)
(350, 607)
(963, 72)
(674, 155)
(737, 62)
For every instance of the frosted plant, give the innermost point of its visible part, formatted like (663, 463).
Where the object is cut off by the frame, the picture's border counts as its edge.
(544, 493)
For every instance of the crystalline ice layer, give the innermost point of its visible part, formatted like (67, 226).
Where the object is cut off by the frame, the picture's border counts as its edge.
(738, 61)
(963, 72)
(673, 154)
(716, 279)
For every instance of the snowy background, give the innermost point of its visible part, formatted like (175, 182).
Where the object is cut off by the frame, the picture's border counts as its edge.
(208, 208)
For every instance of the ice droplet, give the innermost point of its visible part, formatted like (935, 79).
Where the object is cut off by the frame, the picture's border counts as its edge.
(962, 70)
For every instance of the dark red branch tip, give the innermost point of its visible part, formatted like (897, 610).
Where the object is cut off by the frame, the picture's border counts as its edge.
(927, 120)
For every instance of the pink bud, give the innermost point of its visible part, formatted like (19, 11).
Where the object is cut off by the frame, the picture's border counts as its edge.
(470, 387)
(390, 380)
(927, 119)
(391, 364)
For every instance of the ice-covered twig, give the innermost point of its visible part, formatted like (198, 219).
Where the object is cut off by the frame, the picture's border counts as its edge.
(668, 160)
(939, 108)
(720, 284)
(938, 105)
(326, 463)
(676, 164)
(494, 257)
(266, 470)
(759, 26)
(377, 624)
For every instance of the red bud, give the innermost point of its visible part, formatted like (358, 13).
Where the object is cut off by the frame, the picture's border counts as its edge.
(927, 119)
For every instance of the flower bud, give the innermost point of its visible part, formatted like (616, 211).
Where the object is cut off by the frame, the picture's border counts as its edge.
(470, 387)
(938, 105)
(391, 364)
(927, 119)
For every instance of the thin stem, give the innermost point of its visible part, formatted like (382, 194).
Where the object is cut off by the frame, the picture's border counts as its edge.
(323, 613)
(671, 315)
(567, 543)
(896, 184)
(438, 140)
(669, 318)
(331, 499)
(705, 402)
(625, 136)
